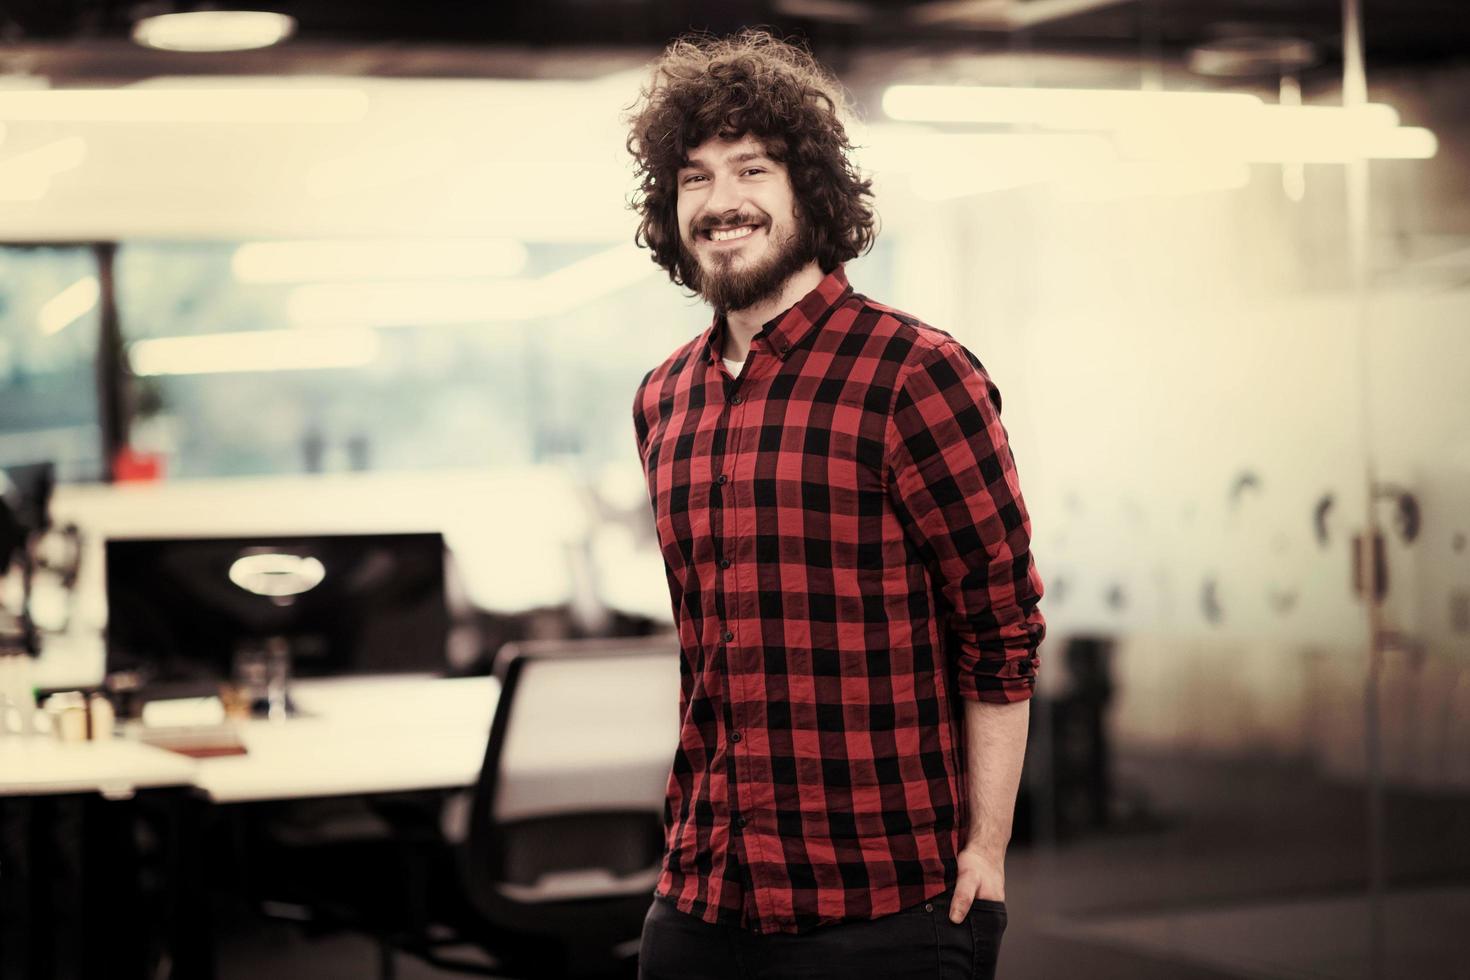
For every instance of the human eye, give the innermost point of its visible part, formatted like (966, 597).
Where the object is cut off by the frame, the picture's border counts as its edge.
(690, 178)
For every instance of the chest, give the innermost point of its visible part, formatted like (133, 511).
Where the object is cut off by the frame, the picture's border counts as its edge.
(773, 442)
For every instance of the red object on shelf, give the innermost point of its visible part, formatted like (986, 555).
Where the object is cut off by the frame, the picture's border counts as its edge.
(132, 466)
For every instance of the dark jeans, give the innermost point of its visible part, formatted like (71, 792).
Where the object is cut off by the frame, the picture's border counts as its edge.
(918, 943)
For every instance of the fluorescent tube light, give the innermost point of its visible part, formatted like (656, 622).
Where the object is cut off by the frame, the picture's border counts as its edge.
(944, 166)
(420, 161)
(1283, 143)
(27, 176)
(424, 304)
(308, 261)
(69, 305)
(1055, 108)
(254, 350)
(173, 105)
(397, 304)
(1284, 134)
(1403, 143)
(214, 30)
(914, 149)
(1173, 125)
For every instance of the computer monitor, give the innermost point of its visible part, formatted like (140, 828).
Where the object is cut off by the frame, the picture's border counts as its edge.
(181, 612)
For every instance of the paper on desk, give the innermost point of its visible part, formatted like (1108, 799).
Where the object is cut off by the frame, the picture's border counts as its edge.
(183, 712)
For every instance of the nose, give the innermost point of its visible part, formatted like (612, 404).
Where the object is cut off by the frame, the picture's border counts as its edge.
(724, 196)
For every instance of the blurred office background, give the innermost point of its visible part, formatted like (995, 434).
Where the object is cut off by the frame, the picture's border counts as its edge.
(378, 277)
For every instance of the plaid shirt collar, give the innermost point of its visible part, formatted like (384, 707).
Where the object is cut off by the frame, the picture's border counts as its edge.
(787, 331)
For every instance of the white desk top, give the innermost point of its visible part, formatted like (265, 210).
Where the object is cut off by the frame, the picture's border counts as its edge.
(360, 735)
(355, 735)
(42, 766)
(387, 735)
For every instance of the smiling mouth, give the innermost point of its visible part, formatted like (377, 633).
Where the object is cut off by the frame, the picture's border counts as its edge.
(730, 234)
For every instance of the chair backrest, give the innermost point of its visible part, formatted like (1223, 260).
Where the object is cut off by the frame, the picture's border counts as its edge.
(565, 835)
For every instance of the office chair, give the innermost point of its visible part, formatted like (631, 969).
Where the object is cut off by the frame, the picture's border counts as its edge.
(563, 840)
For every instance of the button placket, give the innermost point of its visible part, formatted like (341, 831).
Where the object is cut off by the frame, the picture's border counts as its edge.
(741, 578)
(741, 790)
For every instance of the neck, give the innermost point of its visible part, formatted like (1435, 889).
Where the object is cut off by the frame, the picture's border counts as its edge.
(744, 324)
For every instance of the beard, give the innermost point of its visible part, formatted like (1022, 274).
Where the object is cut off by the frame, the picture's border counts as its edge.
(726, 286)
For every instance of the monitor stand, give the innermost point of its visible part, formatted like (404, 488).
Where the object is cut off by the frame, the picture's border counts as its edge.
(263, 675)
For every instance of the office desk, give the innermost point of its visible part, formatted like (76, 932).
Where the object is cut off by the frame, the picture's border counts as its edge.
(359, 735)
(72, 901)
(367, 735)
(354, 736)
(116, 768)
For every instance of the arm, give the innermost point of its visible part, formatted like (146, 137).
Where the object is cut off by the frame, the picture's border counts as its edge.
(641, 429)
(952, 482)
(995, 743)
(955, 488)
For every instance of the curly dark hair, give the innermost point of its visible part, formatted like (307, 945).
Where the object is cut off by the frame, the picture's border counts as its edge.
(754, 84)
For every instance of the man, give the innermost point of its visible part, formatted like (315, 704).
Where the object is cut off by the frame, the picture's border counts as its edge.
(848, 557)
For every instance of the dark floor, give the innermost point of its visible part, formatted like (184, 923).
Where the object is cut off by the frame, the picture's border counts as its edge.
(1229, 870)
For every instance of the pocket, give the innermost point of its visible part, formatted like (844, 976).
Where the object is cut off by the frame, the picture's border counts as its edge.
(938, 905)
(987, 922)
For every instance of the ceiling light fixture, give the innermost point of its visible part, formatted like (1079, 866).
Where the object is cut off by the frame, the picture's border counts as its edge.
(27, 176)
(1055, 108)
(391, 304)
(214, 30)
(374, 260)
(255, 350)
(222, 106)
(1170, 125)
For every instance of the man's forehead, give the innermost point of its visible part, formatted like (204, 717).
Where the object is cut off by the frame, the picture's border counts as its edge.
(717, 150)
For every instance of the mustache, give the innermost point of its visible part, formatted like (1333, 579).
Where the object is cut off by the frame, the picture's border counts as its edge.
(714, 223)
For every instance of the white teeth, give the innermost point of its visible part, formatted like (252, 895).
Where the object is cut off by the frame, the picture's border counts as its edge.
(726, 234)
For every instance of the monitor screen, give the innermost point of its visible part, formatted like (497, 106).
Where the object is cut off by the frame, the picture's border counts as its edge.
(182, 610)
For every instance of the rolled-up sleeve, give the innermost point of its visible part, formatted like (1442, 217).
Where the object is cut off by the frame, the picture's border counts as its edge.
(953, 484)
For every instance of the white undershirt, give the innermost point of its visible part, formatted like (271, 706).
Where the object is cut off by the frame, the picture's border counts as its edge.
(734, 367)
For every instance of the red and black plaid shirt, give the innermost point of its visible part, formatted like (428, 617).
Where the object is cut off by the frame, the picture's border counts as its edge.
(848, 554)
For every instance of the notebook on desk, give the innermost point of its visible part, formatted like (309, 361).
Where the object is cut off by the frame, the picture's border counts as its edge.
(196, 727)
(197, 742)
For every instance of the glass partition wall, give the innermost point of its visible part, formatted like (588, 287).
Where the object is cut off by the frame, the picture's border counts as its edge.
(1228, 363)
(49, 330)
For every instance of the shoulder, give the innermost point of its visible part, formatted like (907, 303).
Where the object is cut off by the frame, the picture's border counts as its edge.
(667, 371)
(911, 345)
(655, 394)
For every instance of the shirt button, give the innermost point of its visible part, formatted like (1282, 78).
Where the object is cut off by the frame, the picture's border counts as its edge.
(928, 906)
(736, 400)
(728, 636)
(735, 736)
(740, 821)
(724, 563)
(722, 480)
